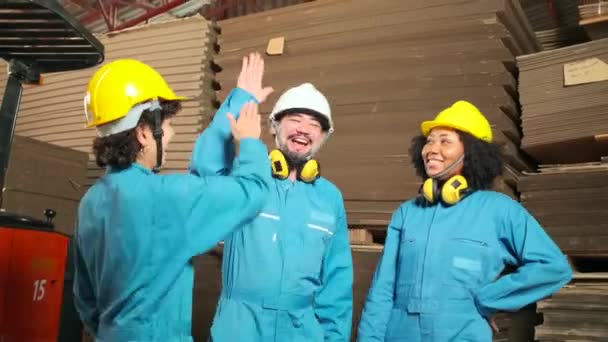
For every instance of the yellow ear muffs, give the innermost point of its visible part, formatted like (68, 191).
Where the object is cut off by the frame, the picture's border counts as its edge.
(278, 163)
(453, 189)
(429, 190)
(308, 173)
(451, 192)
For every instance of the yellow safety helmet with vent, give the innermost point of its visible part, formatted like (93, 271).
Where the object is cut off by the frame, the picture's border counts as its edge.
(463, 116)
(118, 86)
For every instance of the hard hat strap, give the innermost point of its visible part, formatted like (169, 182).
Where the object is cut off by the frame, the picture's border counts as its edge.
(157, 133)
(449, 168)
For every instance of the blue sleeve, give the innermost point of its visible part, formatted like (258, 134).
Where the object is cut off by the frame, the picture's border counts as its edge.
(333, 303)
(542, 268)
(214, 149)
(379, 302)
(84, 295)
(214, 206)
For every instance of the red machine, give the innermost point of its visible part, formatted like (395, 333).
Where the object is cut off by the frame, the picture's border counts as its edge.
(36, 37)
(32, 264)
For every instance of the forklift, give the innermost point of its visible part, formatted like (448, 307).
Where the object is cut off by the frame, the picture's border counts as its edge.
(36, 37)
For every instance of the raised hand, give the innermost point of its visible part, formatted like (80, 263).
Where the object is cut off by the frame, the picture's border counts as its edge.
(248, 124)
(250, 78)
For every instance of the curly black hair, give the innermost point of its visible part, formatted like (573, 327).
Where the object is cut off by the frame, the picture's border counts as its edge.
(120, 150)
(483, 161)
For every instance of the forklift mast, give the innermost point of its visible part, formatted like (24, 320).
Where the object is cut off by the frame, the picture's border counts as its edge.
(36, 37)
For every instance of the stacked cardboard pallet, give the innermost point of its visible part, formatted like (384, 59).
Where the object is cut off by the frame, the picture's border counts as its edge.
(43, 176)
(579, 312)
(570, 202)
(564, 107)
(555, 23)
(594, 18)
(564, 121)
(180, 50)
(540, 14)
(592, 8)
(385, 68)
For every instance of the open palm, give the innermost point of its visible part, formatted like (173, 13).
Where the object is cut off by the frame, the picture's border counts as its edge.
(250, 78)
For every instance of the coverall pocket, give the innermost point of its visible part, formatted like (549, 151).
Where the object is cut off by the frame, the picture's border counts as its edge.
(263, 231)
(314, 241)
(408, 261)
(466, 261)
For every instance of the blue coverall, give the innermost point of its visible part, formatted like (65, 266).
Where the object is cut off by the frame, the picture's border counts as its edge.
(136, 234)
(287, 275)
(437, 277)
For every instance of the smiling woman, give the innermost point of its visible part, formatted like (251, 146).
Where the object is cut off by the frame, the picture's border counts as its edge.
(442, 153)
(438, 277)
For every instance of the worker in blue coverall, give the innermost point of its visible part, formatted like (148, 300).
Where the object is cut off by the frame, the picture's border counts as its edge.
(438, 277)
(287, 276)
(137, 231)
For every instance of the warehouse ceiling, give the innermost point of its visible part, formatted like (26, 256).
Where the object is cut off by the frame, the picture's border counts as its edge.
(112, 15)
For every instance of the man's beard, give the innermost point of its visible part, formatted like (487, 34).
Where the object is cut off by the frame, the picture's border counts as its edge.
(295, 160)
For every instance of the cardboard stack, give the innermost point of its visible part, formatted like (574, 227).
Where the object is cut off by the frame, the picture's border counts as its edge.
(44, 176)
(181, 50)
(570, 202)
(594, 18)
(592, 8)
(579, 312)
(541, 16)
(564, 103)
(555, 23)
(565, 127)
(385, 69)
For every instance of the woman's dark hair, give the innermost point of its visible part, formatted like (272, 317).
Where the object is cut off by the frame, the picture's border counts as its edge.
(482, 160)
(120, 150)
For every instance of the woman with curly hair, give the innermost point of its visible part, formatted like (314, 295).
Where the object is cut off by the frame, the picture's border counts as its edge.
(439, 275)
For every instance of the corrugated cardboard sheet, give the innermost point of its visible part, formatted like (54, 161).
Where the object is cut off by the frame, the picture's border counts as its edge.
(560, 123)
(555, 22)
(44, 176)
(576, 313)
(180, 50)
(571, 203)
(385, 68)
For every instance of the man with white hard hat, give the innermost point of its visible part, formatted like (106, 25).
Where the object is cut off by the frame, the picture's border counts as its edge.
(287, 274)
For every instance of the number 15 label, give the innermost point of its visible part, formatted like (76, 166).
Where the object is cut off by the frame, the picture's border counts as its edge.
(39, 289)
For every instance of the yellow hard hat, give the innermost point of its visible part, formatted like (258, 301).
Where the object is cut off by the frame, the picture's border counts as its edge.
(118, 86)
(463, 116)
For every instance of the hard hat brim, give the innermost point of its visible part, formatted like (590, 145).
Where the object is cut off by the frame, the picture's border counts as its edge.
(326, 123)
(103, 122)
(427, 126)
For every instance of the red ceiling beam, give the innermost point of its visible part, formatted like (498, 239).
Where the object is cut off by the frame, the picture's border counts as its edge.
(108, 14)
(150, 14)
(140, 4)
(95, 14)
(110, 11)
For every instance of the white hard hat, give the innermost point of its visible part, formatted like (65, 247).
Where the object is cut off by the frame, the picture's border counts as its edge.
(305, 99)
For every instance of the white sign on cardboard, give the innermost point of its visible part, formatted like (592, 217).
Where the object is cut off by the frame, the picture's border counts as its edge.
(585, 71)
